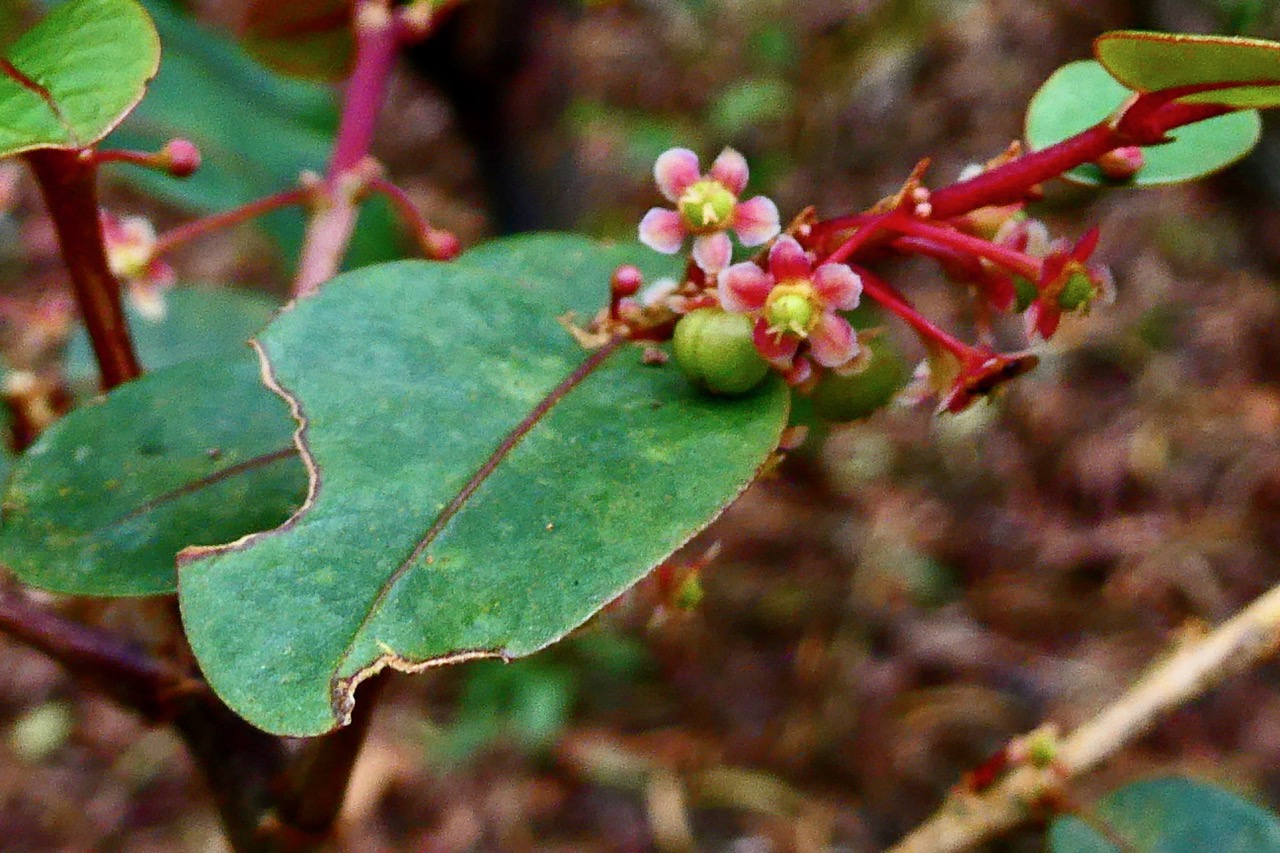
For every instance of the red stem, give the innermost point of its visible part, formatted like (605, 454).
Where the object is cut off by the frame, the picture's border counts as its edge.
(882, 292)
(186, 232)
(1144, 122)
(377, 43)
(1014, 261)
(433, 242)
(378, 38)
(68, 182)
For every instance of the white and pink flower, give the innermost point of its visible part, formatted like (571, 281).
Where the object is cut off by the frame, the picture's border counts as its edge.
(131, 255)
(707, 207)
(794, 303)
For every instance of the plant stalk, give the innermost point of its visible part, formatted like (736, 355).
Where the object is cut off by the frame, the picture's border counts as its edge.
(68, 182)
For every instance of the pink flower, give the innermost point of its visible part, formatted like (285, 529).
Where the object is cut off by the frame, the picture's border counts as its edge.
(707, 206)
(795, 303)
(131, 243)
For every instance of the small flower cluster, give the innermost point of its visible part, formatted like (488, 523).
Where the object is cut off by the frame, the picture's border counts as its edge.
(790, 305)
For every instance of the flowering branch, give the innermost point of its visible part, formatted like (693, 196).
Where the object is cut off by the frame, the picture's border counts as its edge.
(968, 818)
(380, 31)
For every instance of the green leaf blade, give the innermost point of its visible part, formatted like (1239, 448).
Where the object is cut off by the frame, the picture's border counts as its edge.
(1151, 61)
(482, 484)
(1171, 815)
(76, 75)
(104, 500)
(1081, 94)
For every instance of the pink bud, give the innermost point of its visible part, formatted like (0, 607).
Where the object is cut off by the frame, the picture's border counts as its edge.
(182, 157)
(1122, 164)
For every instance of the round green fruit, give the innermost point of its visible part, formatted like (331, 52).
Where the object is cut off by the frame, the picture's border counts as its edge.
(715, 350)
(850, 398)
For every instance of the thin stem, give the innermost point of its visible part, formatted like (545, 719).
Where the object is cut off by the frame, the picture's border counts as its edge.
(127, 674)
(1145, 121)
(68, 182)
(433, 242)
(871, 228)
(1242, 642)
(966, 244)
(882, 292)
(378, 38)
(313, 788)
(189, 231)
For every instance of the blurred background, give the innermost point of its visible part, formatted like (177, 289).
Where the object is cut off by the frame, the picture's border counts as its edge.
(903, 595)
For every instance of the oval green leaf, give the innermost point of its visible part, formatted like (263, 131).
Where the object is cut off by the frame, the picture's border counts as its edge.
(481, 484)
(1149, 62)
(1081, 94)
(1171, 816)
(71, 78)
(105, 499)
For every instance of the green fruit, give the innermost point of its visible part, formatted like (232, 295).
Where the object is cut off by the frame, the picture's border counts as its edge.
(850, 398)
(715, 350)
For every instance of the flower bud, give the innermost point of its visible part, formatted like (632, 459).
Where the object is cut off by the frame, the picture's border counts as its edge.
(182, 157)
(716, 350)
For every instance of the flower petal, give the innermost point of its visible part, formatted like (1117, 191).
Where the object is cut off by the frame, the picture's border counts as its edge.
(839, 286)
(675, 171)
(662, 231)
(730, 169)
(778, 350)
(712, 252)
(1084, 247)
(833, 341)
(756, 221)
(1043, 319)
(788, 261)
(744, 288)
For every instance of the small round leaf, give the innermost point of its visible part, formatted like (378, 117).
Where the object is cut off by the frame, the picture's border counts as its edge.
(1082, 94)
(74, 76)
(1149, 62)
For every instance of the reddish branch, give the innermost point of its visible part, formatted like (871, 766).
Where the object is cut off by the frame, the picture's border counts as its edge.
(68, 182)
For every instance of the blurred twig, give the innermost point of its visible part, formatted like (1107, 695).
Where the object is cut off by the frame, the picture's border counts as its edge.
(1199, 664)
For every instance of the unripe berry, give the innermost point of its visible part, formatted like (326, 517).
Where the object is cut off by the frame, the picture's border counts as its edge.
(716, 350)
(850, 398)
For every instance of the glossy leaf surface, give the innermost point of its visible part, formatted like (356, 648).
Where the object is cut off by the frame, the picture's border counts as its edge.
(482, 484)
(72, 77)
(1082, 94)
(1148, 62)
(104, 500)
(1171, 816)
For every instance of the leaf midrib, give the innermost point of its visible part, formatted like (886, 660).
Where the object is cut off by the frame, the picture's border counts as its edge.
(513, 438)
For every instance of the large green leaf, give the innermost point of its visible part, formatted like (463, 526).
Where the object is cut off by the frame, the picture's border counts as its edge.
(481, 483)
(1149, 62)
(71, 78)
(104, 500)
(1079, 95)
(1171, 816)
(199, 323)
(258, 131)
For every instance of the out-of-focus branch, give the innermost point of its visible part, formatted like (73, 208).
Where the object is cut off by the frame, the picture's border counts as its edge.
(1191, 669)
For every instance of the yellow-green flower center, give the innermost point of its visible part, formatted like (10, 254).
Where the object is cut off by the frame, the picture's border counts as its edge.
(1077, 293)
(707, 206)
(792, 307)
